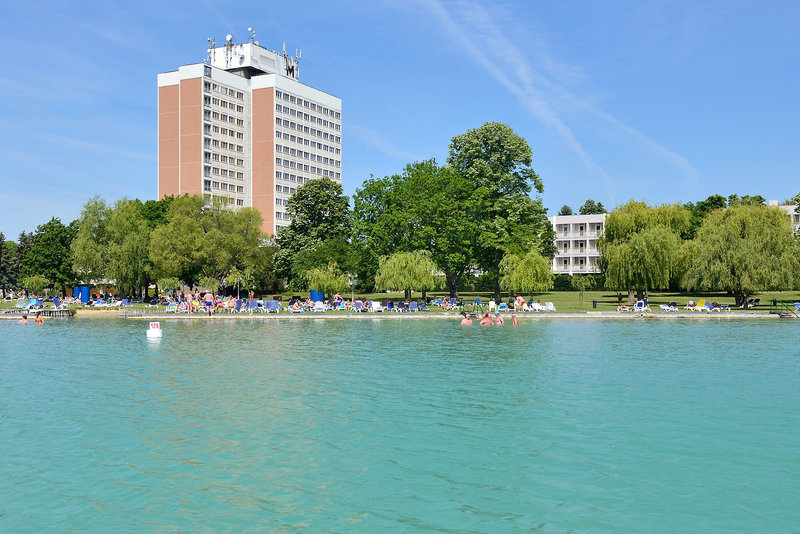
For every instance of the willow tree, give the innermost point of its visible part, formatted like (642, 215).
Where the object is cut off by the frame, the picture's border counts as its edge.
(408, 271)
(529, 273)
(744, 249)
(328, 279)
(641, 248)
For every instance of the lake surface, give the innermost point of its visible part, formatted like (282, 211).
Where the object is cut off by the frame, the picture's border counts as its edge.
(422, 425)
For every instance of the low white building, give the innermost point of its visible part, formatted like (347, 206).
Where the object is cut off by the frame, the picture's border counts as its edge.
(792, 212)
(576, 241)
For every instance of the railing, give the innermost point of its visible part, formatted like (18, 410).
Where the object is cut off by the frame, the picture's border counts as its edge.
(592, 233)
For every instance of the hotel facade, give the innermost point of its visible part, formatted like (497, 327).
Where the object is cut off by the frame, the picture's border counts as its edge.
(243, 128)
(576, 243)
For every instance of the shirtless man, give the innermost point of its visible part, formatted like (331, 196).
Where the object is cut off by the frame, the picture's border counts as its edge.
(24, 320)
(487, 320)
(467, 319)
(38, 319)
(514, 320)
(209, 298)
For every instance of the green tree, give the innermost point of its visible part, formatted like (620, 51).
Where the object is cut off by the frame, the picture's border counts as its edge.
(90, 246)
(590, 207)
(565, 210)
(204, 239)
(744, 249)
(408, 271)
(7, 278)
(498, 163)
(746, 200)
(529, 273)
(24, 246)
(640, 249)
(328, 279)
(318, 212)
(169, 284)
(127, 249)
(50, 255)
(35, 284)
(156, 212)
(427, 207)
(699, 211)
(794, 201)
(260, 271)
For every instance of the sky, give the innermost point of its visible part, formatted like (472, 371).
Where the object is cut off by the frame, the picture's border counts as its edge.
(658, 101)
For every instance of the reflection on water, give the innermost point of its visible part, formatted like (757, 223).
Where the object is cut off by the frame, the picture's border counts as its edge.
(428, 425)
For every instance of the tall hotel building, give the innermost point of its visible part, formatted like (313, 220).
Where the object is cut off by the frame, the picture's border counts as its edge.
(242, 127)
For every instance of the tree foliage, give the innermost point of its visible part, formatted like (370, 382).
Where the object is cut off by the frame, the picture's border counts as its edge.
(408, 271)
(699, 211)
(51, 256)
(590, 207)
(641, 246)
(35, 283)
(127, 246)
(204, 239)
(526, 273)
(794, 201)
(8, 276)
(565, 210)
(498, 163)
(743, 249)
(328, 279)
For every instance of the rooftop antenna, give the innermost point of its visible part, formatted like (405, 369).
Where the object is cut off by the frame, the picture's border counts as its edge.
(252, 35)
(228, 49)
(292, 65)
(212, 49)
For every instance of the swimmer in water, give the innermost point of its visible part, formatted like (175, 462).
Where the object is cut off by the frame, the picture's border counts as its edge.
(499, 319)
(467, 319)
(38, 319)
(486, 320)
(514, 320)
(24, 320)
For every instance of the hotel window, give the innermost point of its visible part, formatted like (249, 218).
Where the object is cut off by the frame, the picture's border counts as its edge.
(278, 94)
(215, 185)
(207, 100)
(206, 171)
(239, 122)
(277, 189)
(278, 215)
(216, 129)
(292, 99)
(215, 101)
(240, 95)
(240, 162)
(239, 202)
(239, 135)
(206, 185)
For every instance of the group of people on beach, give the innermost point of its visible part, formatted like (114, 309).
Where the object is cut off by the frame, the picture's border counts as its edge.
(38, 319)
(488, 319)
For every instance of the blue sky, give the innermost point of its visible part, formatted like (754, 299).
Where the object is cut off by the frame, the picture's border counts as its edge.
(658, 101)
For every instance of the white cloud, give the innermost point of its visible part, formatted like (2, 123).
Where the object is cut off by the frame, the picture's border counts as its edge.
(380, 143)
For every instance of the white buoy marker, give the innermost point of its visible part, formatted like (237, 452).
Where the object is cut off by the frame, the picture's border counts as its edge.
(154, 330)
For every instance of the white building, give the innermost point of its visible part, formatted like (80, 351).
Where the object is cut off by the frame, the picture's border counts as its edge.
(792, 212)
(242, 127)
(576, 241)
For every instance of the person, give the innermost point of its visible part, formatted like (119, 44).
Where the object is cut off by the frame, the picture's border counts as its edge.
(499, 319)
(520, 303)
(24, 320)
(467, 319)
(38, 319)
(486, 320)
(619, 299)
(209, 298)
(514, 320)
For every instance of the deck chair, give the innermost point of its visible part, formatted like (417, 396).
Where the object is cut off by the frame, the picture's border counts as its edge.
(477, 305)
(492, 306)
(641, 306)
(413, 306)
(319, 306)
(549, 307)
(358, 306)
(57, 304)
(502, 307)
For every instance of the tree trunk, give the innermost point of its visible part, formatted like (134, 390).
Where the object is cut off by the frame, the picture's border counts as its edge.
(631, 298)
(424, 295)
(407, 294)
(452, 284)
(497, 288)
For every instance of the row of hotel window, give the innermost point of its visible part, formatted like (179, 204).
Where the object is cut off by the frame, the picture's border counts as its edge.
(225, 173)
(304, 129)
(282, 216)
(306, 155)
(209, 87)
(207, 129)
(307, 142)
(208, 157)
(306, 104)
(208, 115)
(305, 168)
(207, 101)
(312, 144)
(313, 119)
(216, 143)
(286, 190)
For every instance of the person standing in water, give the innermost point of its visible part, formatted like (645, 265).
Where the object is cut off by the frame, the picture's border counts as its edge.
(467, 319)
(209, 298)
(38, 319)
(24, 320)
(514, 320)
(499, 319)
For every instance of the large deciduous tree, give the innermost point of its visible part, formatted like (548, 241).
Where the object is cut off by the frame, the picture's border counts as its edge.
(641, 248)
(427, 207)
(204, 239)
(8, 277)
(498, 163)
(128, 244)
(50, 256)
(90, 246)
(743, 249)
(319, 213)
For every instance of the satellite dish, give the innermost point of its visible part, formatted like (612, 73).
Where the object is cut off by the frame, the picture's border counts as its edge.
(228, 37)
(249, 29)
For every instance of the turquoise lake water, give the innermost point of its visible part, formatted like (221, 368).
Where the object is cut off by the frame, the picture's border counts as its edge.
(388, 425)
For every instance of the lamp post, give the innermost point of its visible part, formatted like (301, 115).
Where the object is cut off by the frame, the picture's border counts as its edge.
(352, 283)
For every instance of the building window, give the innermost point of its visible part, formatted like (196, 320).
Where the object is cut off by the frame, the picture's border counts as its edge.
(206, 185)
